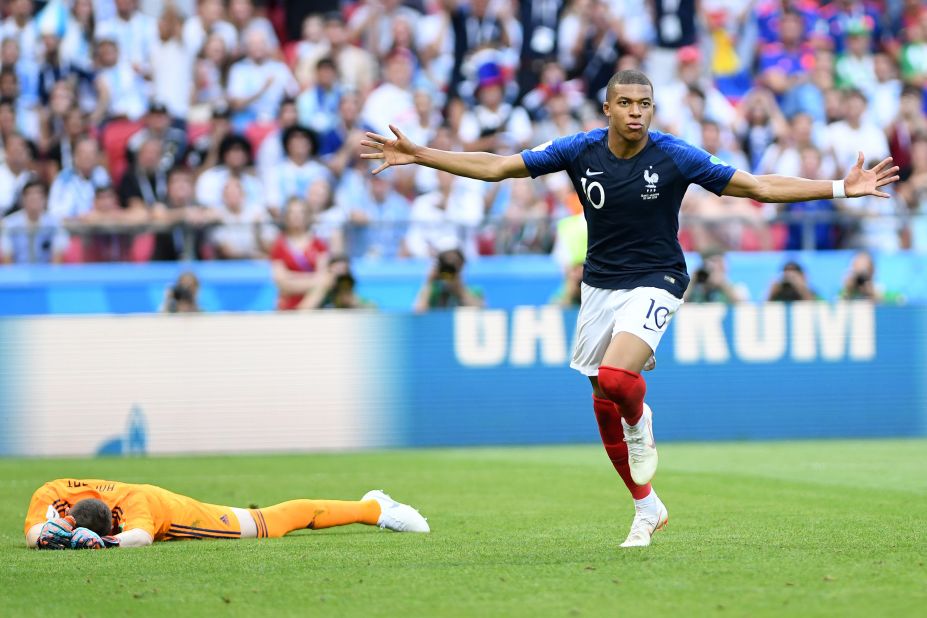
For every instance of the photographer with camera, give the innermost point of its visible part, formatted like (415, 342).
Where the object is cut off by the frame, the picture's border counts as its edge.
(445, 288)
(182, 296)
(337, 288)
(860, 282)
(710, 283)
(792, 286)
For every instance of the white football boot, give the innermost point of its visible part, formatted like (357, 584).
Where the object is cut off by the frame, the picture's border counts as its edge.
(642, 450)
(646, 523)
(397, 516)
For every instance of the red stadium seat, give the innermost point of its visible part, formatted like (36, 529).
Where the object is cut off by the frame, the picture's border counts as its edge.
(74, 253)
(142, 248)
(257, 131)
(114, 138)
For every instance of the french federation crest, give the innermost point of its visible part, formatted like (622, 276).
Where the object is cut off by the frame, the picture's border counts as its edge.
(651, 178)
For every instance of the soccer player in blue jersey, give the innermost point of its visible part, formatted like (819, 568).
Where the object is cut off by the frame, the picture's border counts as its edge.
(631, 182)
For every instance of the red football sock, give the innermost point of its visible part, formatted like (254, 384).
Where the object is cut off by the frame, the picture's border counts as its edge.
(606, 413)
(626, 389)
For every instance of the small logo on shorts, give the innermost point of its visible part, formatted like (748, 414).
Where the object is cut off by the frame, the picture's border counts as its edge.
(669, 279)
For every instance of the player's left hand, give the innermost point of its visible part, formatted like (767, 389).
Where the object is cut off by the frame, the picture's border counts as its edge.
(861, 182)
(84, 538)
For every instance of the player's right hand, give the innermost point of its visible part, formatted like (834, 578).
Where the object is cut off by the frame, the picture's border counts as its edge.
(56, 533)
(85, 538)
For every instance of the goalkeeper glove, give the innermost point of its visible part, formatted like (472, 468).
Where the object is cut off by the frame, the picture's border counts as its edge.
(56, 533)
(84, 538)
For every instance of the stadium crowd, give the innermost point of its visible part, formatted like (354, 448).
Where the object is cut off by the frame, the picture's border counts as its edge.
(135, 130)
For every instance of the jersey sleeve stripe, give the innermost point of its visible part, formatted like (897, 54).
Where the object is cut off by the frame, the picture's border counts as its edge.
(197, 529)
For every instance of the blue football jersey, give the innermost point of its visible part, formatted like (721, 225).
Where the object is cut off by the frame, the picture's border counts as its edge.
(631, 205)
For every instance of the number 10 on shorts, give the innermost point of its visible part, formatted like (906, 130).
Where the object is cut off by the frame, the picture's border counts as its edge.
(657, 316)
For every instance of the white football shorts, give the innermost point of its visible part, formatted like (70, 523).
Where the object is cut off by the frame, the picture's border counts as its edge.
(645, 312)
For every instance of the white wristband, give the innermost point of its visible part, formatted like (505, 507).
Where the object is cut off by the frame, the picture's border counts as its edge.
(839, 189)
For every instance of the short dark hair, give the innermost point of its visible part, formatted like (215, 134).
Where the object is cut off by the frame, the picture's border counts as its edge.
(94, 515)
(628, 76)
(291, 132)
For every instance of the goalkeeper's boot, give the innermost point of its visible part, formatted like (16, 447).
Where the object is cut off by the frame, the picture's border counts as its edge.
(646, 522)
(642, 450)
(397, 516)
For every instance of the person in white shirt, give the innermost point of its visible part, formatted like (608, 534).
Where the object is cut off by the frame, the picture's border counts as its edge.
(241, 15)
(234, 158)
(171, 66)
(297, 172)
(32, 235)
(446, 217)
(121, 91)
(22, 28)
(245, 231)
(135, 33)
(494, 125)
(73, 191)
(258, 83)
(15, 172)
(391, 102)
(208, 21)
(852, 134)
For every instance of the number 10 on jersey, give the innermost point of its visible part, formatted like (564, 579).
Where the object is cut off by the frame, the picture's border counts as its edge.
(594, 188)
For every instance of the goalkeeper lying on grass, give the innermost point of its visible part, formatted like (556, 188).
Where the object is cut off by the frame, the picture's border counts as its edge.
(95, 514)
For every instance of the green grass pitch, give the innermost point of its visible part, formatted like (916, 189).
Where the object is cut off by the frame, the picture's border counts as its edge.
(828, 528)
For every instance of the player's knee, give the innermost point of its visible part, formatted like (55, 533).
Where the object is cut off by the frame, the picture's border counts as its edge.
(621, 386)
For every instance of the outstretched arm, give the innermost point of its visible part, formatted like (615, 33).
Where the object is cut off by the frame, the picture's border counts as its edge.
(782, 189)
(479, 165)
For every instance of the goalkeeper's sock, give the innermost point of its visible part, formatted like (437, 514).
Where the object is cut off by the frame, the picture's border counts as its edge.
(275, 521)
(606, 413)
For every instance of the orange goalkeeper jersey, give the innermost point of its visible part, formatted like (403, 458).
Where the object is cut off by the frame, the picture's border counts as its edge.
(162, 514)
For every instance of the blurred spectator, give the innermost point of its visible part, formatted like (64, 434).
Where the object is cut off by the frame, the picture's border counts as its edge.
(19, 82)
(391, 102)
(234, 158)
(210, 77)
(377, 223)
(712, 141)
(182, 220)
(838, 18)
(182, 297)
(121, 91)
(909, 123)
(792, 285)
(764, 124)
(15, 172)
(105, 229)
(203, 152)
(811, 225)
(244, 232)
(78, 39)
(785, 64)
(327, 220)
(298, 170)
(134, 33)
(270, 153)
(784, 157)
(21, 27)
(317, 105)
(297, 259)
(493, 125)
(570, 292)
(885, 93)
(373, 23)
(55, 69)
(526, 226)
(855, 67)
(172, 66)
(854, 133)
(337, 288)
(242, 17)
(32, 235)
(914, 52)
(427, 120)
(341, 144)
(60, 153)
(208, 22)
(446, 217)
(172, 141)
(258, 83)
(914, 194)
(145, 184)
(445, 288)
(72, 193)
(710, 283)
(860, 283)
(357, 67)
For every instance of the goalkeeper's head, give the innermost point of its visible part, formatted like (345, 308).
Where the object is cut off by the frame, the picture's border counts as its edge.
(94, 515)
